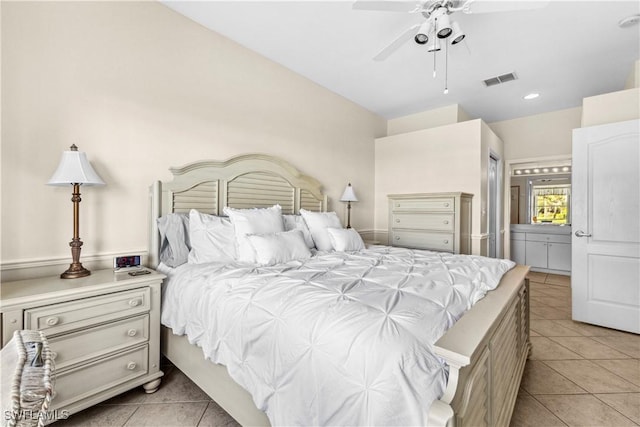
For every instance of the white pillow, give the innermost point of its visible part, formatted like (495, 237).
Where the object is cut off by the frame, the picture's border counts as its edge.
(318, 222)
(345, 239)
(212, 238)
(276, 248)
(253, 221)
(296, 222)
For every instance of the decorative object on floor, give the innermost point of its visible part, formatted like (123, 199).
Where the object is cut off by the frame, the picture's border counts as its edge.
(75, 169)
(348, 196)
(29, 389)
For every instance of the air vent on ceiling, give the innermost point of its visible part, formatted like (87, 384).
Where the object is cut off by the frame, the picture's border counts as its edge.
(500, 79)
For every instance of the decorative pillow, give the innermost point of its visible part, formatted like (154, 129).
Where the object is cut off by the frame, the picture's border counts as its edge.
(296, 222)
(212, 238)
(276, 248)
(253, 221)
(318, 222)
(345, 239)
(174, 238)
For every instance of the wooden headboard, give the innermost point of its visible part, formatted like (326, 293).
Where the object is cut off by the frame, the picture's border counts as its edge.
(246, 181)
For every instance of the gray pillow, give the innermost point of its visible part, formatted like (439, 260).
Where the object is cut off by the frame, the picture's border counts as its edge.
(174, 238)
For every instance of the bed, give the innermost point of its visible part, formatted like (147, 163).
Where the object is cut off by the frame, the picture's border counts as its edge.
(484, 351)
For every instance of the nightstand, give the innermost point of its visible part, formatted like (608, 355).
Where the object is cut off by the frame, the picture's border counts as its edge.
(104, 331)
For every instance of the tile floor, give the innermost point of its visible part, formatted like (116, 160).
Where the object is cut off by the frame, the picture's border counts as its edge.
(577, 375)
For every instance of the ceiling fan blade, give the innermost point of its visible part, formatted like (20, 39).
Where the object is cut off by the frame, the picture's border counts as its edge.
(490, 6)
(386, 5)
(394, 45)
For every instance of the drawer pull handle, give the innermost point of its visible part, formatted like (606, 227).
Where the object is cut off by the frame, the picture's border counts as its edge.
(397, 221)
(446, 241)
(397, 205)
(134, 302)
(397, 237)
(446, 205)
(132, 332)
(446, 221)
(54, 355)
(131, 366)
(52, 321)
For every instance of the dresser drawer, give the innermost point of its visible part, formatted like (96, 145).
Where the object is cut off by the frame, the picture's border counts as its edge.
(444, 204)
(438, 222)
(58, 318)
(92, 378)
(422, 240)
(95, 342)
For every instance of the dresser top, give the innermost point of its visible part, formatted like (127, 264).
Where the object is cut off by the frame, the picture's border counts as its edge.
(12, 293)
(427, 195)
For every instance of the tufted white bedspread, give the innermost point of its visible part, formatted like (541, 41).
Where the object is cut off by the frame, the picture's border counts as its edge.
(339, 339)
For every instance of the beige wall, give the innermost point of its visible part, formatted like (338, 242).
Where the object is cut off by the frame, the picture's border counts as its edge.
(141, 88)
(442, 159)
(540, 135)
(611, 107)
(633, 81)
(427, 119)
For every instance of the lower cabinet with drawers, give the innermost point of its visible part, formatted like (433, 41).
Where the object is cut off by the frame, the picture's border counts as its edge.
(103, 330)
(435, 221)
(546, 248)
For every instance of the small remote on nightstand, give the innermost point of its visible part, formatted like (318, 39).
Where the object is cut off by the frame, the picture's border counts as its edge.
(139, 272)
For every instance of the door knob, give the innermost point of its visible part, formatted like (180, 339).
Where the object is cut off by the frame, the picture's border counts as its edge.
(581, 233)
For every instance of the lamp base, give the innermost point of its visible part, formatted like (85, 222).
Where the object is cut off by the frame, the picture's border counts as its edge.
(75, 270)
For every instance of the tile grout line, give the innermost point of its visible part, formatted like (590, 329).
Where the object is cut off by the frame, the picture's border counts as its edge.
(130, 416)
(592, 361)
(594, 395)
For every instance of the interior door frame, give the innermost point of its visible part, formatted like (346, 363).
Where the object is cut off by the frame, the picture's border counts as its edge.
(494, 206)
(509, 165)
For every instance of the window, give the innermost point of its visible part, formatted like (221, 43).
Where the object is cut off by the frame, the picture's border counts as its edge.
(551, 204)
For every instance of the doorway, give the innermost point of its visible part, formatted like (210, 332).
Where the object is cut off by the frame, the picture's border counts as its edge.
(493, 206)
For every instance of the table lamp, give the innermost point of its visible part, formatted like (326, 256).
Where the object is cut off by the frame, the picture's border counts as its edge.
(348, 196)
(75, 169)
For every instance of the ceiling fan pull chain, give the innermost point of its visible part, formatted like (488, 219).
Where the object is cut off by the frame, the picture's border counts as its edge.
(446, 67)
(435, 40)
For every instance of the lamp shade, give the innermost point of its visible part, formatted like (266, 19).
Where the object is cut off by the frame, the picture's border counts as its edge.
(74, 168)
(348, 195)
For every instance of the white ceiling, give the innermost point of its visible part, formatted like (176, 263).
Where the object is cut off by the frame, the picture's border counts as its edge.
(566, 51)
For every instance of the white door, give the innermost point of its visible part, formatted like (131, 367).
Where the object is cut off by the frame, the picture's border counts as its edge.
(606, 224)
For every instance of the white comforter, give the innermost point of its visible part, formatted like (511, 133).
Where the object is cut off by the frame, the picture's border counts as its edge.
(339, 339)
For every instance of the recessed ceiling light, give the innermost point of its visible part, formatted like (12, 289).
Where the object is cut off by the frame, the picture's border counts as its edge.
(629, 21)
(531, 96)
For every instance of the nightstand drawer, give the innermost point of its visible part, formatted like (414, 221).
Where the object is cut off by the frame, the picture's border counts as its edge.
(58, 318)
(100, 375)
(420, 240)
(95, 342)
(437, 222)
(444, 204)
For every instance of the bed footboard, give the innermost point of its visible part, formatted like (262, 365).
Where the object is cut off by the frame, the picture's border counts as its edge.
(486, 351)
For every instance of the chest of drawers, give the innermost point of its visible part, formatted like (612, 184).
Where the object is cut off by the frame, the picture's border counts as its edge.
(435, 221)
(103, 330)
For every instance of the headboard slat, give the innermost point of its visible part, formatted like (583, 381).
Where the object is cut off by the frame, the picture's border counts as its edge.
(246, 181)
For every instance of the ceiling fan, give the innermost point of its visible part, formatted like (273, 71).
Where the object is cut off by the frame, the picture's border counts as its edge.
(438, 24)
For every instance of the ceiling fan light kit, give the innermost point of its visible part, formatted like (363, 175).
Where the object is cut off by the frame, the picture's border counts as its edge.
(443, 25)
(458, 35)
(438, 25)
(422, 36)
